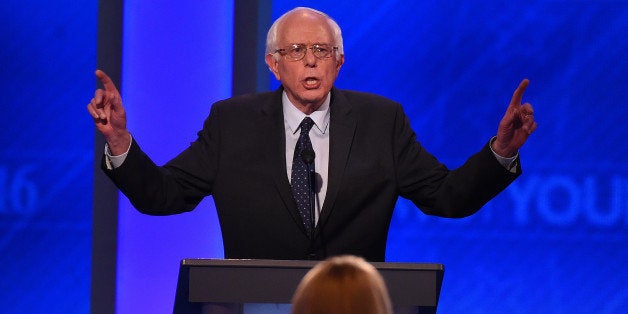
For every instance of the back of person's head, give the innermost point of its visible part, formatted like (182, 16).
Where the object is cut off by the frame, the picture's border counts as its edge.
(342, 284)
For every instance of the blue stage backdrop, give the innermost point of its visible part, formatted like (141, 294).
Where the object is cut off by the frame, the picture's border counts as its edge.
(177, 59)
(47, 58)
(555, 241)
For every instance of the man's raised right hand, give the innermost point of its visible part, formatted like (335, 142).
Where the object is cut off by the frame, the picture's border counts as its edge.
(109, 117)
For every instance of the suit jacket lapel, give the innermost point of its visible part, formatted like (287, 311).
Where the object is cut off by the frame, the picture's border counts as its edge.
(342, 128)
(272, 122)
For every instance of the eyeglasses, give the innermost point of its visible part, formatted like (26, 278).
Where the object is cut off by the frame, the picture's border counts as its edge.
(296, 52)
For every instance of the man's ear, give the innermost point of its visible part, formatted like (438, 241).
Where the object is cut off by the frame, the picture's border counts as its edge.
(339, 63)
(273, 65)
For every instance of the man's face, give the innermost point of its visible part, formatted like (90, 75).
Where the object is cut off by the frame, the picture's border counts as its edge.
(307, 81)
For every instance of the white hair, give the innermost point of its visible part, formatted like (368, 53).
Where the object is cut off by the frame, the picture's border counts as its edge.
(271, 37)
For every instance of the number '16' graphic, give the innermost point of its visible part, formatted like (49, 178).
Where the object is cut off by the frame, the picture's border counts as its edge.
(18, 194)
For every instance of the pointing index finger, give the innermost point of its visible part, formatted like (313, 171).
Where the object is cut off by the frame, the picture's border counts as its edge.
(106, 81)
(517, 96)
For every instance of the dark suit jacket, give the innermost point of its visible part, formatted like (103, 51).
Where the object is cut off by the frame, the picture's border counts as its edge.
(239, 159)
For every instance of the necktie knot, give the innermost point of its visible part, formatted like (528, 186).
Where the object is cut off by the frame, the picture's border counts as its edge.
(306, 125)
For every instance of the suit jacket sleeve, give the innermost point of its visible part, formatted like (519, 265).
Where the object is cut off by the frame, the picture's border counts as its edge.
(176, 187)
(439, 191)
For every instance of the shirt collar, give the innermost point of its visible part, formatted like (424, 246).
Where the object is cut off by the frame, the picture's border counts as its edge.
(293, 116)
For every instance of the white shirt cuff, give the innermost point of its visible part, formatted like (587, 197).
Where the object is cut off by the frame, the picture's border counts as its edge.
(113, 162)
(510, 163)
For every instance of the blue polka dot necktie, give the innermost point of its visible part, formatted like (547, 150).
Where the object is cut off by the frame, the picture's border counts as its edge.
(301, 189)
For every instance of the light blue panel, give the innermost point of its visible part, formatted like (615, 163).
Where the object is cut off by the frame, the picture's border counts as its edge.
(177, 58)
(555, 241)
(47, 59)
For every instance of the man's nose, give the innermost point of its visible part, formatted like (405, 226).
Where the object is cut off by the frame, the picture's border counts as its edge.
(309, 58)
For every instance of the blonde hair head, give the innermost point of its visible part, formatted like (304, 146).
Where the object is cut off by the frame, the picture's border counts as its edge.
(342, 284)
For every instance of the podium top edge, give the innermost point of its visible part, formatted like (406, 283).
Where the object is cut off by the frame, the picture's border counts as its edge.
(189, 262)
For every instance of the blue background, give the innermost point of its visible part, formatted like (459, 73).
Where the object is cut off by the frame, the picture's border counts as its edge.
(47, 59)
(555, 241)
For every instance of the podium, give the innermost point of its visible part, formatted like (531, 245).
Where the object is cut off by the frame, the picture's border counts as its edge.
(226, 286)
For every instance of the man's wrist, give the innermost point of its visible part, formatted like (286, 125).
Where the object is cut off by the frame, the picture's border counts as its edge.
(510, 163)
(114, 161)
(502, 150)
(119, 144)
